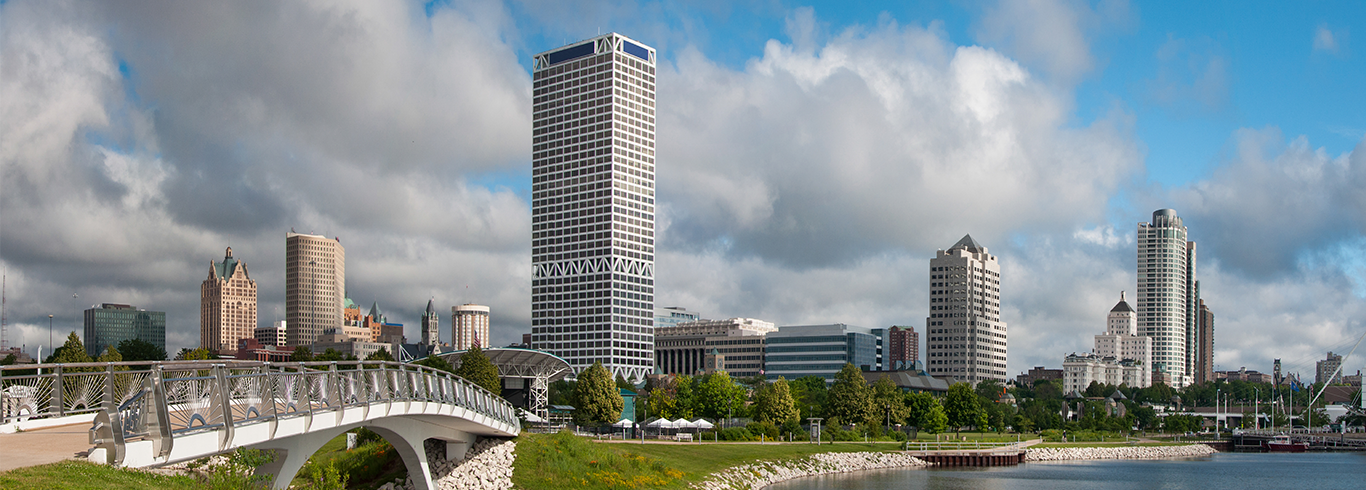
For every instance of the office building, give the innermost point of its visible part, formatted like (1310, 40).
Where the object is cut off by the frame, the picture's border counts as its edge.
(431, 326)
(227, 305)
(273, 335)
(1122, 342)
(1242, 374)
(734, 345)
(965, 337)
(903, 348)
(1204, 367)
(593, 204)
(109, 323)
(469, 326)
(821, 350)
(670, 316)
(1326, 371)
(1166, 294)
(1036, 374)
(315, 286)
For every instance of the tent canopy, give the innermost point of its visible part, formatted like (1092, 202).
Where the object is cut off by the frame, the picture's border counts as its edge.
(703, 424)
(624, 423)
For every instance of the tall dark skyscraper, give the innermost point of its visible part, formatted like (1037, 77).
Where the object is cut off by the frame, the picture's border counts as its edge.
(593, 204)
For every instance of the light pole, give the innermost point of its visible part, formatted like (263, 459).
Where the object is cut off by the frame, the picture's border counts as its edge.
(49, 334)
(1216, 408)
(1257, 408)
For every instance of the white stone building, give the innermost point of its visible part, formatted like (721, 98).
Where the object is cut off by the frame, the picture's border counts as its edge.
(1079, 370)
(1122, 342)
(965, 337)
(469, 326)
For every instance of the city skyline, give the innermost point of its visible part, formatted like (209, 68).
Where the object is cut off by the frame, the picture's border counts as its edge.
(809, 158)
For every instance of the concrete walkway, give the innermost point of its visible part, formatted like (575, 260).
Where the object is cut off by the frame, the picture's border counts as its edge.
(43, 446)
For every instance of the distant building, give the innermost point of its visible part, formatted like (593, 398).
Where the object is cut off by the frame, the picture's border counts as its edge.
(227, 305)
(1038, 373)
(734, 345)
(821, 350)
(903, 348)
(1121, 340)
(965, 337)
(1242, 374)
(1079, 370)
(271, 335)
(315, 286)
(469, 326)
(1324, 371)
(1168, 296)
(670, 316)
(108, 324)
(253, 350)
(431, 326)
(1204, 368)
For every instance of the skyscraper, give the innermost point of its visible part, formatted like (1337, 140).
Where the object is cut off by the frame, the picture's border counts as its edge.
(965, 337)
(1166, 287)
(227, 305)
(469, 326)
(108, 324)
(315, 286)
(431, 325)
(593, 204)
(903, 348)
(1205, 367)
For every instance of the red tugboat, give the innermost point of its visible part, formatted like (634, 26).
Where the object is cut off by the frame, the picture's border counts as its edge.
(1283, 444)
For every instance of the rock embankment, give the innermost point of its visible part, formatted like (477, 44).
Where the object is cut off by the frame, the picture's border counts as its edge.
(764, 473)
(487, 466)
(1132, 452)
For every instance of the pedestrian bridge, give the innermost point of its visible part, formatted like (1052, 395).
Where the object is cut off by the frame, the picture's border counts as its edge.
(152, 414)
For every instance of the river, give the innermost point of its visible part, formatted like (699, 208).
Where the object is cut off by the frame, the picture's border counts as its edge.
(1218, 472)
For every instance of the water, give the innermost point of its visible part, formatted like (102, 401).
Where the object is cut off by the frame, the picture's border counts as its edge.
(1251, 471)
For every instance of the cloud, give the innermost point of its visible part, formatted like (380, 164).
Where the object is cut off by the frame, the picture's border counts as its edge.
(1192, 76)
(1052, 35)
(1324, 39)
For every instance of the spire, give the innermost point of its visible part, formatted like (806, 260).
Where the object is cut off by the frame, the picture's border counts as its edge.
(375, 313)
(1122, 306)
(431, 310)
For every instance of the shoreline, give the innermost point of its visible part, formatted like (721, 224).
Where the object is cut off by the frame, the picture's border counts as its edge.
(762, 474)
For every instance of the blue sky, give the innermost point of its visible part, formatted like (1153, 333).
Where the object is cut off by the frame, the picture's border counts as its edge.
(811, 155)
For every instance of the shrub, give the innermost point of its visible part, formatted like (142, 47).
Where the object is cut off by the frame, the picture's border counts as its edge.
(737, 434)
(766, 429)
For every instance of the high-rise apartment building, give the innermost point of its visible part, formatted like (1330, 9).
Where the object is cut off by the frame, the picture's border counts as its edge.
(469, 326)
(227, 305)
(315, 286)
(108, 324)
(431, 325)
(903, 348)
(1326, 371)
(593, 204)
(1204, 369)
(1166, 296)
(965, 337)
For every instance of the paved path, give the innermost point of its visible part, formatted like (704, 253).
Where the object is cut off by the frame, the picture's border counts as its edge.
(43, 446)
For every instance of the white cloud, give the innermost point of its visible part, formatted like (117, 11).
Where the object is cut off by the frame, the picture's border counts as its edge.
(1051, 35)
(1192, 76)
(1324, 39)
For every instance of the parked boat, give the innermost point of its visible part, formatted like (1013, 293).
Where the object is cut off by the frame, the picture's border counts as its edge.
(1283, 444)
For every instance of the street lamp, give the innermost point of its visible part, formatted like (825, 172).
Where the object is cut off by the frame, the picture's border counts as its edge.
(1216, 409)
(49, 333)
(1256, 408)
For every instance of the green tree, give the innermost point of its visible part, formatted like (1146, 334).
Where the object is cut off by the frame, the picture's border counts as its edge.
(237, 471)
(9, 360)
(889, 401)
(330, 355)
(200, 354)
(623, 384)
(141, 350)
(918, 407)
(686, 391)
(936, 420)
(810, 395)
(600, 402)
(110, 355)
(476, 367)
(850, 402)
(773, 403)
(73, 351)
(436, 362)
(301, 354)
(718, 396)
(380, 355)
(963, 407)
(662, 399)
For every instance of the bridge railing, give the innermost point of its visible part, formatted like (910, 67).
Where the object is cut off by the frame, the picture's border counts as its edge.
(160, 400)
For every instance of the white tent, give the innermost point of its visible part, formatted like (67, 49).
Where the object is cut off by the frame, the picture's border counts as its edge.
(703, 424)
(623, 423)
(683, 423)
(531, 417)
(660, 424)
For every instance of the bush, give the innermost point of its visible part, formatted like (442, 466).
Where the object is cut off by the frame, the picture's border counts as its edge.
(791, 426)
(766, 429)
(737, 434)
(236, 472)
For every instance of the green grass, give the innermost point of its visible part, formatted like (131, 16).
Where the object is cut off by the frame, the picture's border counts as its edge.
(370, 465)
(81, 475)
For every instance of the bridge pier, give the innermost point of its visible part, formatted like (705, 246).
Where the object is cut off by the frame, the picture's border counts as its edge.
(406, 435)
(292, 452)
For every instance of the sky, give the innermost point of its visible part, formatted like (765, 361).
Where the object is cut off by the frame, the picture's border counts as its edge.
(811, 157)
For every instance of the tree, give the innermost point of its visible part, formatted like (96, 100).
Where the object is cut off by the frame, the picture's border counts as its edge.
(141, 350)
(918, 407)
(110, 355)
(600, 402)
(623, 384)
(330, 355)
(200, 354)
(717, 396)
(962, 407)
(476, 367)
(685, 390)
(936, 420)
(380, 355)
(810, 395)
(850, 402)
(773, 403)
(662, 399)
(301, 354)
(890, 401)
(9, 360)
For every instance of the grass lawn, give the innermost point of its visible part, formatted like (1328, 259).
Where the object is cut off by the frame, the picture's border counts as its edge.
(369, 465)
(81, 475)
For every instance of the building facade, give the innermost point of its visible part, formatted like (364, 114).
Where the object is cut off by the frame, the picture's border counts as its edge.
(670, 316)
(1079, 370)
(108, 324)
(736, 345)
(1038, 373)
(965, 337)
(821, 350)
(469, 326)
(1326, 371)
(593, 204)
(315, 286)
(1167, 296)
(903, 348)
(227, 305)
(431, 326)
(272, 335)
(1204, 368)
(1121, 341)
